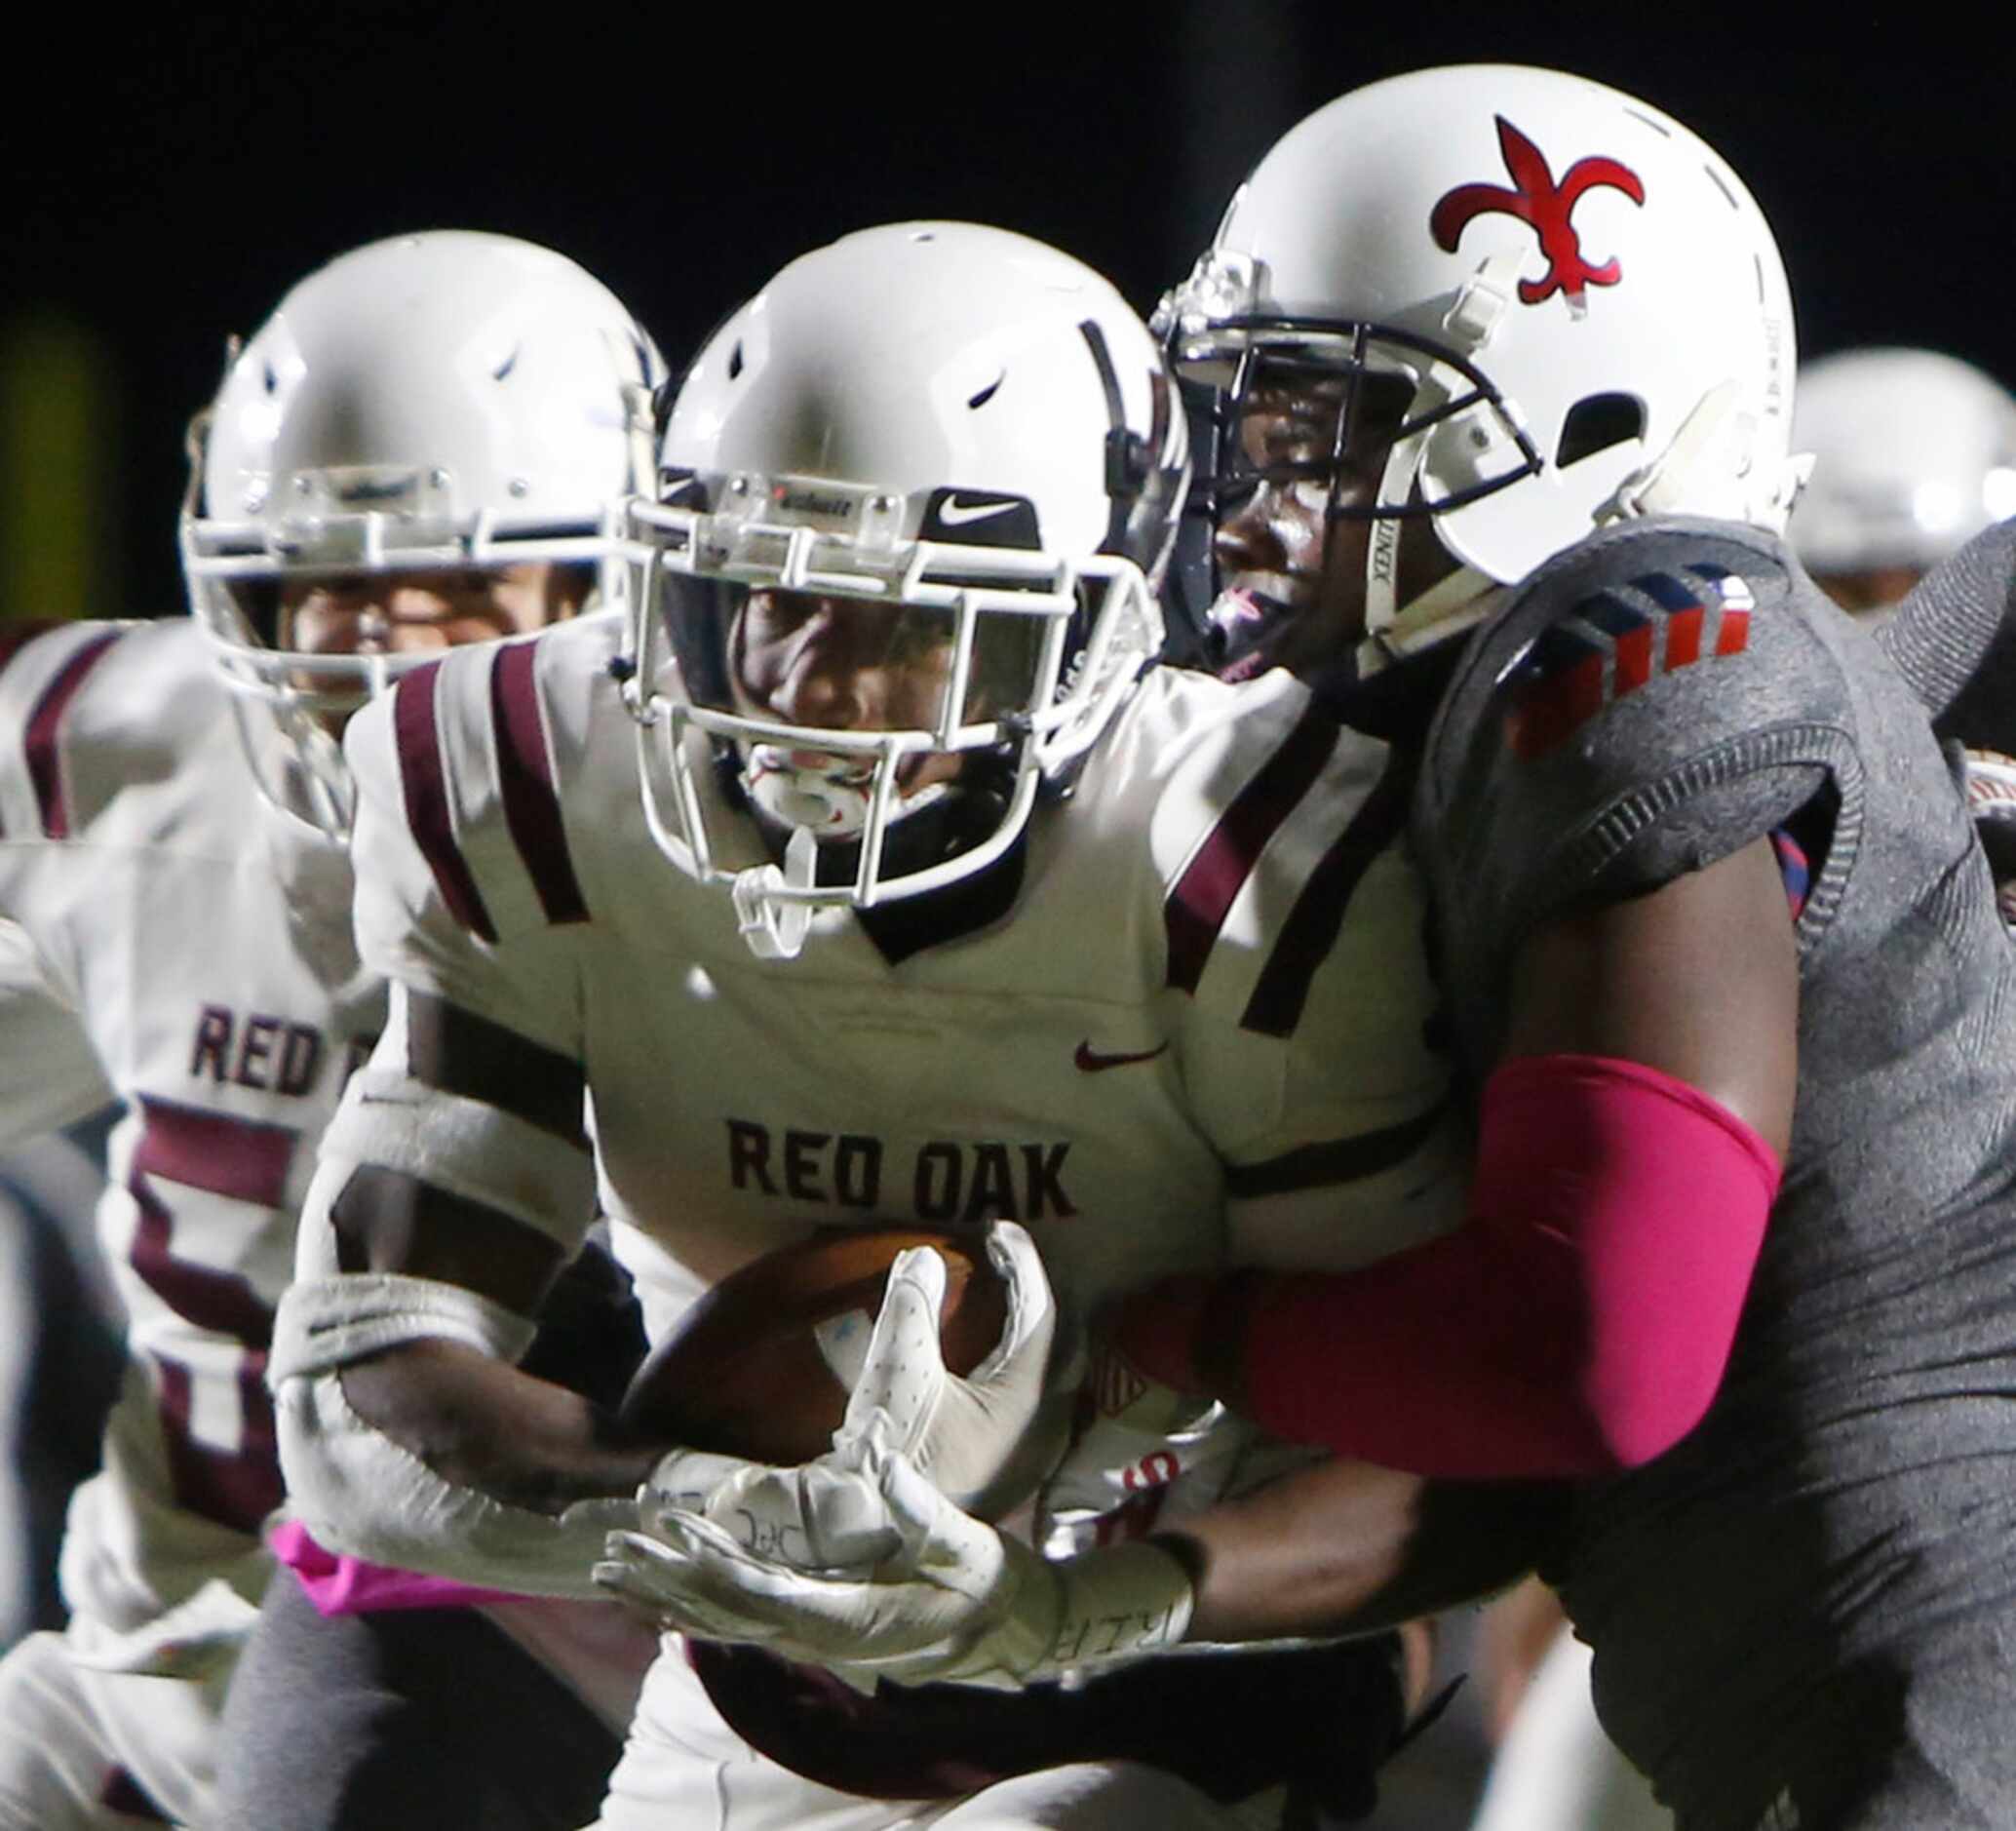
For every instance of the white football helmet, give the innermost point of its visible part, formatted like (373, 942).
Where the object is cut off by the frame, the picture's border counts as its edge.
(948, 418)
(1914, 454)
(1587, 304)
(440, 401)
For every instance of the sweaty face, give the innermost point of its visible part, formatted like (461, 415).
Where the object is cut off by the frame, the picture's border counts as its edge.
(849, 664)
(1294, 523)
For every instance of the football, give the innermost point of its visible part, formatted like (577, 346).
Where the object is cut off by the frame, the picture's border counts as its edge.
(750, 1369)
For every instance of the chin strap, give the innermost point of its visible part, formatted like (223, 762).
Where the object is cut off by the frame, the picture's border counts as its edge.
(1392, 630)
(1467, 597)
(774, 928)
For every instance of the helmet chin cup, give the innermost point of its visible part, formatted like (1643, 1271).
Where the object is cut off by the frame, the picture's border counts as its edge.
(773, 927)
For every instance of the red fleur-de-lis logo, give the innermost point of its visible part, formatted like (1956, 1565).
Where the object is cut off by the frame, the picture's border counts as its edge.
(1546, 207)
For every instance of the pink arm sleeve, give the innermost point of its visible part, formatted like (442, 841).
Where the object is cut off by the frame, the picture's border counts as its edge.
(1578, 1324)
(346, 1585)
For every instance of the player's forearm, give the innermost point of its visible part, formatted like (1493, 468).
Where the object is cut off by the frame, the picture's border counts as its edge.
(1344, 1547)
(428, 1483)
(478, 1423)
(1578, 1323)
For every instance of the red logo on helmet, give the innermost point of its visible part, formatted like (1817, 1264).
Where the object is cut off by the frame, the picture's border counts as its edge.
(1546, 207)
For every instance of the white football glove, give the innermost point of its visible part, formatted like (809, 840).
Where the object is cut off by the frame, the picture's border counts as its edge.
(817, 1517)
(957, 1601)
(987, 1439)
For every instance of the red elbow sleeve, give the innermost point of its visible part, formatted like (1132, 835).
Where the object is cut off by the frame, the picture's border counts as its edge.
(1578, 1323)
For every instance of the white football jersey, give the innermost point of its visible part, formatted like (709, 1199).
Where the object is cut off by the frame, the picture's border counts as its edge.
(1198, 1036)
(170, 937)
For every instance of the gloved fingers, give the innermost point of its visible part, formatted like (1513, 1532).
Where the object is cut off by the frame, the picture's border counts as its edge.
(816, 1518)
(690, 1478)
(613, 1512)
(700, 1569)
(903, 1372)
(942, 1544)
(662, 1582)
(1032, 1307)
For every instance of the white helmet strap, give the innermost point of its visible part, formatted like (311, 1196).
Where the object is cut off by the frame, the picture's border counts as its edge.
(772, 927)
(1393, 629)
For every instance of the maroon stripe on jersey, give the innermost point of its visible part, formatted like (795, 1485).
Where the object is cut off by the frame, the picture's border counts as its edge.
(221, 1302)
(531, 809)
(213, 1151)
(462, 1053)
(236, 1488)
(427, 799)
(124, 1794)
(44, 763)
(1203, 896)
(240, 1158)
(1342, 1161)
(1314, 923)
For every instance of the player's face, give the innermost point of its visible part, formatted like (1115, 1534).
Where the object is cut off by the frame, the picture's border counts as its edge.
(417, 613)
(1866, 594)
(407, 613)
(844, 664)
(1290, 550)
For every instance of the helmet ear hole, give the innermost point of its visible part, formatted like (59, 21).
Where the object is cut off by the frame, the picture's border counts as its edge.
(1596, 422)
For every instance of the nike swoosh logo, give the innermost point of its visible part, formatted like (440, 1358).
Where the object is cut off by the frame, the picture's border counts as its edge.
(954, 514)
(1092, 1062)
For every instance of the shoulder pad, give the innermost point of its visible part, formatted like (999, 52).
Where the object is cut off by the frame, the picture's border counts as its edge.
(1272, 818)
(471, 740)
(66, 748)
(1646, 703)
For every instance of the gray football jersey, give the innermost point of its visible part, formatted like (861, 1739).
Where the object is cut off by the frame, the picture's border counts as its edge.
(1815, 1585)
(1954, 639)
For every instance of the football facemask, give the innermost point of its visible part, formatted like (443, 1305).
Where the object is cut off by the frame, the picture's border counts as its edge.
(448, 403)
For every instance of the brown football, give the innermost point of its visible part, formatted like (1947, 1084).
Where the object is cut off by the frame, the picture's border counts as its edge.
(742, 1372)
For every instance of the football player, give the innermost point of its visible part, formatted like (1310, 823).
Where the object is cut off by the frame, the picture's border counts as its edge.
(879, 810)
(1506, 360)
(413, 453)
(1914, 454)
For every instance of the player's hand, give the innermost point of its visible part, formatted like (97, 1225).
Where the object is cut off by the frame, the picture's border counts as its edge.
(984, 1440)
(943, 1580)
(956, 1602)
(817, 1517)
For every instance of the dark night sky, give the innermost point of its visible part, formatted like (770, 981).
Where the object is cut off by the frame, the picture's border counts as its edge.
(170, 181)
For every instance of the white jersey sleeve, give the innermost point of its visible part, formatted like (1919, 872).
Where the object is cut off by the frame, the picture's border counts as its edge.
(446, 902)
(465, 893)
(50, 1076)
